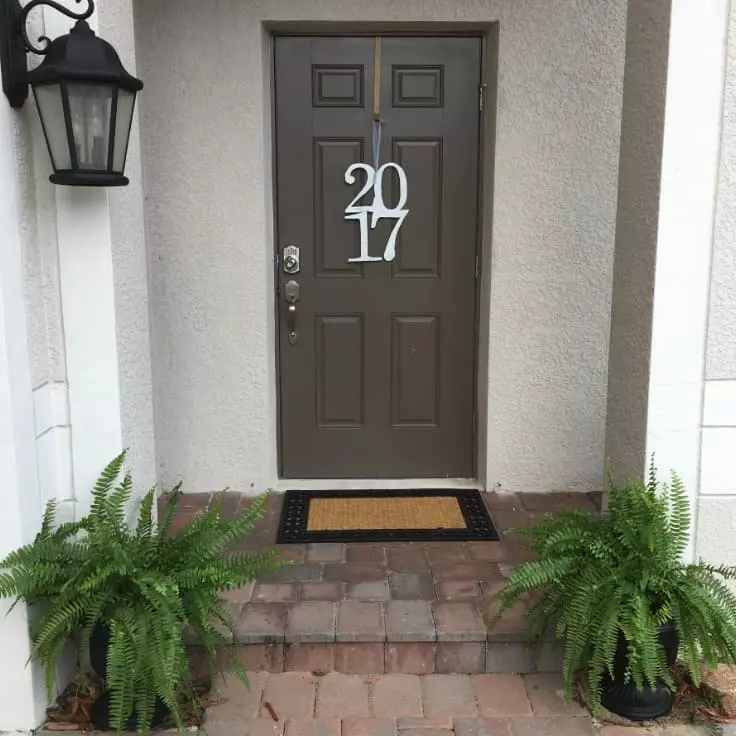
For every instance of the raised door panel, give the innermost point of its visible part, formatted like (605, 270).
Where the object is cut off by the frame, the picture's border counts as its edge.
(415, 370)
(418, 245)
(335, 240)
(340, 370)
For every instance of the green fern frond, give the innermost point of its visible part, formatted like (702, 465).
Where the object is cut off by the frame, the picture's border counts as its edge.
(145, 584)
(621, 573)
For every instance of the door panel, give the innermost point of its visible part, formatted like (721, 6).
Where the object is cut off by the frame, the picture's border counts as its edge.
(380, 380)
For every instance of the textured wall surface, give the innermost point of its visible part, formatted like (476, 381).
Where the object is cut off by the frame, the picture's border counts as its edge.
(721, 355)
(205, 119)
(130, 272)
(715, 524)
(642, 123)
(40, 256)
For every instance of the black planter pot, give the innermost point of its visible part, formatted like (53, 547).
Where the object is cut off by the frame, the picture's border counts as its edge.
(642, 705)
(99, 643)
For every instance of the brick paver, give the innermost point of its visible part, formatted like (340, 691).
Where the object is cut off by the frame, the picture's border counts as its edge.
(406, 558)
(371, 590)
(409, 621)
(255, 727)
(325, 553)
(546, 696)
(411, 586)
(440, 723)
(312, 621)
(315, 727)
(468, 657)
(342, 696)
(458, 590)
(366, 553)
(458, 621)
(236, 700)
(482, 727)
(569, 726)
(291, 695)
(369, 727)
(360, 658)
(448, 695)
(501, 696)
(413, 658)
(360, 621)
(274, 593)
(397, 696)
(326, 591)
(297, 573)
(261, 622)
(315, 658)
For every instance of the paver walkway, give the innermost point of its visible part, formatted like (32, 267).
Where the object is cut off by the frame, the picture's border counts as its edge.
(408, 705)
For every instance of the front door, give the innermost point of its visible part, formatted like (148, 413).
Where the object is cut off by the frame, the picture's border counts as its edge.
(377, 356)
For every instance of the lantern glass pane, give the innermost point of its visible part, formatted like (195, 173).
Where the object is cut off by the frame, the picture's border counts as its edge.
(51, 111)
(126, 101)
(90, 106)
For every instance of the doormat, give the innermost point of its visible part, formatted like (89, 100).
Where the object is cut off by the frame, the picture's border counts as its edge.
(384, 516)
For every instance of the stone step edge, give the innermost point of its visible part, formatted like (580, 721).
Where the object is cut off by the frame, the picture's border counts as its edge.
(388, 657)
(318, 622)
(419, 638)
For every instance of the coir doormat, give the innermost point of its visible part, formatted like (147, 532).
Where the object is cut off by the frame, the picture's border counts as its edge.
(384, 516)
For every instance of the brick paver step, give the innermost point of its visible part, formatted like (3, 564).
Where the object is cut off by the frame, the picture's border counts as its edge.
(406, 608)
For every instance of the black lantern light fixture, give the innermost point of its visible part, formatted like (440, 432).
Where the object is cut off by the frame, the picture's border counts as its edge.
(85, 97)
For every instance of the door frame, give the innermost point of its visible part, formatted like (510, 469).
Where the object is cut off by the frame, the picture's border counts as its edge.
(488, 34)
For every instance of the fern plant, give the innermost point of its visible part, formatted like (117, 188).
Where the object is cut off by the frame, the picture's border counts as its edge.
(146, 584)
(621, 572)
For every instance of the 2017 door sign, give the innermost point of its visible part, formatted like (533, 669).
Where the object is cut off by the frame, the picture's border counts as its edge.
(378, 210)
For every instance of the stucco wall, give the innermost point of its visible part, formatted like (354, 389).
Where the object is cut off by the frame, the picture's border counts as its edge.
(717, 503)
(642, 134)
(206, 157)
(721, 355)
(43, 313)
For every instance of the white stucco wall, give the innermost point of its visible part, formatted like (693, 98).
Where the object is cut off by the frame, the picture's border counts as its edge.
(207, 165)
(21, 692)
(717, 503)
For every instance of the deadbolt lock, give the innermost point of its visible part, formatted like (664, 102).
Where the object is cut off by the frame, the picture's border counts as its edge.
(291, 292)
(292, 263)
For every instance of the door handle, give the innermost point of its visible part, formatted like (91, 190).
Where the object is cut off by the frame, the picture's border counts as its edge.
(291, 323)
(291, 294)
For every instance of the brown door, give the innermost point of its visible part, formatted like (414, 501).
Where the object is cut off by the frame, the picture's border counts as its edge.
(378, 379)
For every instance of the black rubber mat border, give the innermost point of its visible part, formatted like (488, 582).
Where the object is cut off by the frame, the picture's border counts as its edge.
(295, 516)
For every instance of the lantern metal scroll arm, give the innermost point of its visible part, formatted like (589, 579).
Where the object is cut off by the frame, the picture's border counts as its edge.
(15, 42)
(68, 12)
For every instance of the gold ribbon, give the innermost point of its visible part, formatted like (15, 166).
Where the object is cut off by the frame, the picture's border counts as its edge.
(377, 78)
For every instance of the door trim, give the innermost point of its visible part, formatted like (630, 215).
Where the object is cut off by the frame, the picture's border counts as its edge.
(488, 35)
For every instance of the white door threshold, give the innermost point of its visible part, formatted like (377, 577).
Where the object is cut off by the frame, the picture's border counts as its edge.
(372, 484)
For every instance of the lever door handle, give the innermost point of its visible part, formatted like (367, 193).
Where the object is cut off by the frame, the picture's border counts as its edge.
(291, 323)
(291, 294)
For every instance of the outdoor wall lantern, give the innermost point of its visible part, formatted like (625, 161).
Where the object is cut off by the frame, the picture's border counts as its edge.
(85, 97)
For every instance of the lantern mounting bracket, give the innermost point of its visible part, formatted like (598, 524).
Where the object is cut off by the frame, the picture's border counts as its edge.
(15, 42)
